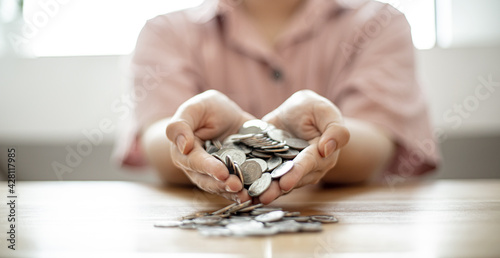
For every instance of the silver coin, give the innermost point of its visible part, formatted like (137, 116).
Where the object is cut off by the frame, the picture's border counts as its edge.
(240, 206)
(262, 163)
(239, 173)
(167, 224)
(253, 126)
(225, 209)
(261, 154)
(195, 215)
(251, 171)
(274, 150)
(265, 210)
(289, 154)
(278, 134)
(260, 185)
(270, 216)
(298, 218)
(324, 218)
(207, 220)
(264, 231)
(282, 169)
(217, 144)
(311, 227)
(292, 214)
(238, 156)
(214, 231)
(244, 225)
(273, 162)
(287, 226)
(251, 208)
(296, 143)
(230, 164)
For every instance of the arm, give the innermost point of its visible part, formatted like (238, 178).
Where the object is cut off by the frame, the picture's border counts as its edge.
(367, 153)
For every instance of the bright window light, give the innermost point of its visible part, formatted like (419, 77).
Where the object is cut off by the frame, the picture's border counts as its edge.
(111, 27)
(421, 16)
(90, 27)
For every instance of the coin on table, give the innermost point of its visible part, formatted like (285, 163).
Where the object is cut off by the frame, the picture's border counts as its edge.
(251, 171)
(287, 226)
(282, 169)
(260, 185)
(289, 154)
(240, 206)
(251, 208)
(214, 231)
(168, 224)
(207, 220)
(225, 209)
(324, 218)
(311, 227)
(270, 216)
(262, 163)
(296, 143)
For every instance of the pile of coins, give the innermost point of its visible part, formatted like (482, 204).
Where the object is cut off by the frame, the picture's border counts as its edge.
(258, 154)
(249, 220)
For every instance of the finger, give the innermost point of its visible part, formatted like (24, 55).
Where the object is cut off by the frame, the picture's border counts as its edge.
(200, 161)
(305, 162)
(328, 120)
(271, 194)
(180, 132)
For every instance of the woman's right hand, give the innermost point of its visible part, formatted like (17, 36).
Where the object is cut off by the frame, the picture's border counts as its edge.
(206, 116)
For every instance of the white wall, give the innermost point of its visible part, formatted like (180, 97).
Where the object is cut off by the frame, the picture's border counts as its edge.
(54, 99)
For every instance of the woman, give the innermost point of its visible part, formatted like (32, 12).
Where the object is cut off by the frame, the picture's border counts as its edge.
(338, 74)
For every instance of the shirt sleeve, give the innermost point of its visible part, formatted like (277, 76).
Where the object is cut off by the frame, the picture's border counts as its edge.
(380, 87)
(164, 76)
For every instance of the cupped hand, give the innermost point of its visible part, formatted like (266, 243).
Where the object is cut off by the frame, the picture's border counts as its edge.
(206, 116)
(314, 118)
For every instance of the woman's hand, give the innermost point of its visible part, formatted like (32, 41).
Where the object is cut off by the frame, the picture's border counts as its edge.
(206, 116)
(311, 117)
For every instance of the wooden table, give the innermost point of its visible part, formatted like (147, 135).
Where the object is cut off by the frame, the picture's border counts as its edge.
(115, 219)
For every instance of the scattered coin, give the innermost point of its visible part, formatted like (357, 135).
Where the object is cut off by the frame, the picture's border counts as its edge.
(324, 218)
(248, 220)
(296, 143)
(167, 224)
(270, 216)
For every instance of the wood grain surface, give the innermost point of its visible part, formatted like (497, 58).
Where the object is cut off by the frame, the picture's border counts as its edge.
(459, 218)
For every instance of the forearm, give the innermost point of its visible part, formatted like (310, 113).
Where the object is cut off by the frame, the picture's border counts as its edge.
(368, 152)
(157, 149)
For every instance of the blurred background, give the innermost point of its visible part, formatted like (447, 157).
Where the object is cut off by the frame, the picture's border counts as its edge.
(63, 78)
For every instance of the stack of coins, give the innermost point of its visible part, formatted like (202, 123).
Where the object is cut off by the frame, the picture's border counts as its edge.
(249, 220)
(258, 154)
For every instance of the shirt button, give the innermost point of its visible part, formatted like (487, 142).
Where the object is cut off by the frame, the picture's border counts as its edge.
(277, 75)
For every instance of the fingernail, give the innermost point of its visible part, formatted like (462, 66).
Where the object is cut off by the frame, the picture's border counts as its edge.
(330, 147)
(228, 189)
(180, 141)
(286, 192)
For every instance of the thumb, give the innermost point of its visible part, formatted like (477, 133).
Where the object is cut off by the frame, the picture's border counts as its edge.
(334, 137)
(181, 134)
